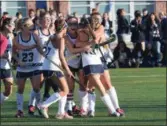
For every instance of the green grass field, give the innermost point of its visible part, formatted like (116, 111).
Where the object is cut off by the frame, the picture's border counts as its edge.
(141, 92)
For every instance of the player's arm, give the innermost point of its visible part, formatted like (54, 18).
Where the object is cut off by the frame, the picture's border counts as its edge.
(97, 34)
(14, 56)
(80, 44)
(61, 45)
(4, 56)
(38, 45)
(74, 50)
(14, 53)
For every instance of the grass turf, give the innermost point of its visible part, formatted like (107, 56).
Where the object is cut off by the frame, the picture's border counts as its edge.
(141, 93)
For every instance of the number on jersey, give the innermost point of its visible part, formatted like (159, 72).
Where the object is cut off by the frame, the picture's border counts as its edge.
(27, 57)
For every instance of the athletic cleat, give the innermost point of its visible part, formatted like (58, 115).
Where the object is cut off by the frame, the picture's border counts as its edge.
(115, 114)
(75, 110)
(39, 112)
(70, 112)
(91, 113)
(43, 111)
(31, 110)
(19, 114)
(82, 113)
(120, 111)
(63, 116)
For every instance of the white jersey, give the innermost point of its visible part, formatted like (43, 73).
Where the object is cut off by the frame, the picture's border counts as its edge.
(31, 58)
(43, 41)
(91, 58)
(43, 38)
(53, 54)
(74, 62)
(3, 62)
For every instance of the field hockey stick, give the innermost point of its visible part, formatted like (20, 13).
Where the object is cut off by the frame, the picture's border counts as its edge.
(76, 80)
(108, 41)
(71, 57)
(41, 52)
(112, 38)
(102, 53)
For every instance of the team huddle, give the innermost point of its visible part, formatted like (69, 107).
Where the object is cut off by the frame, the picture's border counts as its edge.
(57, 55)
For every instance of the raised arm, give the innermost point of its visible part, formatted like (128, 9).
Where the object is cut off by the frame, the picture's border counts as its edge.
(98, 34)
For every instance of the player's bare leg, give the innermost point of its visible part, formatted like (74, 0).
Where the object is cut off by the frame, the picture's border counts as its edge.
(105, 78)
(8, 83)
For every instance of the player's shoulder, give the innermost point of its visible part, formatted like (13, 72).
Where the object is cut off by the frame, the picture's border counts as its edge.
(36, 32)
(101, 27)
(52, 32)
(11, 35)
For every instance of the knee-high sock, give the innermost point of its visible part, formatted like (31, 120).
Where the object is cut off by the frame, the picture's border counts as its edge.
(113, 96)
(3, 98)
(69, 101)
(19, 101)
(107, 101)
(52, 99)
(32, 100)
(83, 96)
(92, 101)
(37, 97)
(62, 103)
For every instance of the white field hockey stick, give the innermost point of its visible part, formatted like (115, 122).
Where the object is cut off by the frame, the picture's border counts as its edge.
(76, 80)
(111, 39)
(72, 57)
(62, 70)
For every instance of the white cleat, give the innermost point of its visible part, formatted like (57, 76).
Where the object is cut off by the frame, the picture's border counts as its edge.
(115, 114)
(91, 113)
(44, 111)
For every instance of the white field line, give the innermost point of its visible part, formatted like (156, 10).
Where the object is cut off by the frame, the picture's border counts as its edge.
(130, 76)
(54, 123)
(137, 76)
(148, 81)
(134, 82)
(141, 81)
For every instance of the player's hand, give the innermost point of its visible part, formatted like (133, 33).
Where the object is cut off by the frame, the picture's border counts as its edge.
(87, 48)
(5, 56)
(70, 74)
(21, 64)
(32, 47)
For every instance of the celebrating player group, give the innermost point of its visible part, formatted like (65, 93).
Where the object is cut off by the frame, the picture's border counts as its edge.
(57, 54)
